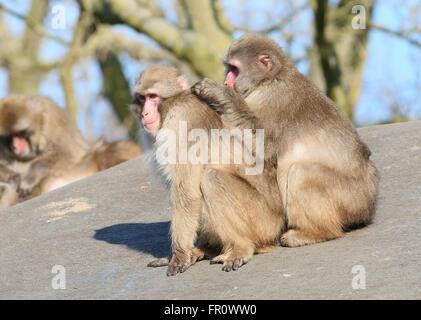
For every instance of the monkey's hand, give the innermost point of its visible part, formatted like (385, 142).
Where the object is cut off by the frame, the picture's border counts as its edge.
(26, 186)
(217, 96)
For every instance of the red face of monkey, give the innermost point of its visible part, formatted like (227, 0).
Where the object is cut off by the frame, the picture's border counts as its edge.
(16, 131)
(19, 143)
(243, 71)
(149, 103)
(155, 85)
(251, 60)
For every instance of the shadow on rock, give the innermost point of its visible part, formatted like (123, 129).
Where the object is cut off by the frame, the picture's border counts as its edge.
(152, 238)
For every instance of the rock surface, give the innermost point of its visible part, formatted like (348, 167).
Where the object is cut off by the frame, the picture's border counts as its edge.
(105, 229)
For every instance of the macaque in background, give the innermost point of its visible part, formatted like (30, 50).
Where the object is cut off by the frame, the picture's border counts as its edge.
(43, 141)
(47, 150)
(327, 181)
(216, 207)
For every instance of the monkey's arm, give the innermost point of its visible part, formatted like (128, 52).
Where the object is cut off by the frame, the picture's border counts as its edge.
(8, 195)
(8, 176)
(226, 101)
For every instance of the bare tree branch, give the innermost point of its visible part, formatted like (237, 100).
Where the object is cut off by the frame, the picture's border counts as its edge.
(66, 68)
(24, 69)
(285, 20)
(399, 34)
(202, 47)
(106, 40)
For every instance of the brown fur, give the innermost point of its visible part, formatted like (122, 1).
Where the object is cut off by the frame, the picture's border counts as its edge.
(7, 175)
(9, 179)
(9, 182)
(8, 195)
(104, 155)
(327, 181)
(217, 209)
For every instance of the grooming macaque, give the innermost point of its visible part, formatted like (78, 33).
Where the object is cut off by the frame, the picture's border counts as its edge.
(217, 209)
(46, 149)
(327, 182)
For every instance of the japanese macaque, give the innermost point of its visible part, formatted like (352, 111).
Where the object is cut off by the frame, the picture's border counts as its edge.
(43, 141)
(47, 150)
(219, 212)
(327, 181)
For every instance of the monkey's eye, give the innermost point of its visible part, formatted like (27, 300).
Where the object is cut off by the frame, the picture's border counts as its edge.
(153, 96)
(140, 99)
(23, 134)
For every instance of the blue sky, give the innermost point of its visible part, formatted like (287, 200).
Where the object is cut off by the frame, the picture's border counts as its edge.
(393, 68)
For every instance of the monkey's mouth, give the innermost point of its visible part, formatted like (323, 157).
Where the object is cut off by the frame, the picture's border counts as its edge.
(20, 145)
(231, 75)
(151, 125)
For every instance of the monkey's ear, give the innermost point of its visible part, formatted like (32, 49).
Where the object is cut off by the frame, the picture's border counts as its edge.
(182, 82)
(266, 61)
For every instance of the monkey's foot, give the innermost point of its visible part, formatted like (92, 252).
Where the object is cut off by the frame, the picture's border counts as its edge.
(196, 255)
(296, 238)
(162, 262)
(179, 264)
(232, 260)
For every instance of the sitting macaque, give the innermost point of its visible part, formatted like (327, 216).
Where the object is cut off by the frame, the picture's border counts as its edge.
(218, 210)
(43, 141)
(327, 181)
(47, 150)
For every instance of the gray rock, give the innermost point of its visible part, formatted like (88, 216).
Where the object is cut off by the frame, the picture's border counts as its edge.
(106, 228)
